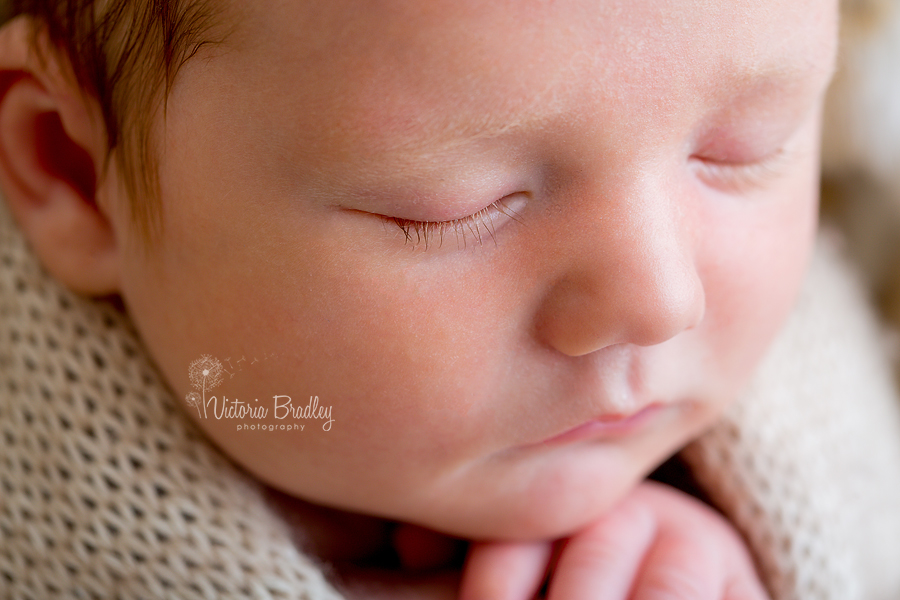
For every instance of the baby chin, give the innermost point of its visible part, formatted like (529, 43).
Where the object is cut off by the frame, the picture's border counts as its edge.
(557, 486)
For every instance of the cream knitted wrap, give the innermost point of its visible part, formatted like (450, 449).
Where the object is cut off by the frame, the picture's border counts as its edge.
(108, 491)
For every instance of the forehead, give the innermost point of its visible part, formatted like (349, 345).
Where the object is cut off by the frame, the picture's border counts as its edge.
(391, 75)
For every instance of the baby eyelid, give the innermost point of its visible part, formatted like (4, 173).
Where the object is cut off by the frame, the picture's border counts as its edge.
(743, 175)
(479, 226)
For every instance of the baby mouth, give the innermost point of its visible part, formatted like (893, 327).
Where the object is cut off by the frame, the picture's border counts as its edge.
(609, 426)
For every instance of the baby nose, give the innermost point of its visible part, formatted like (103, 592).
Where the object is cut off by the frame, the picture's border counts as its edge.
(629, 276)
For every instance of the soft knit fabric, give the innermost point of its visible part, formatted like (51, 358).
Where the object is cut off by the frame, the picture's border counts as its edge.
(108, 491)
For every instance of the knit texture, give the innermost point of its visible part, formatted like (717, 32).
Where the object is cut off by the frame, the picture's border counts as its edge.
(108, 491)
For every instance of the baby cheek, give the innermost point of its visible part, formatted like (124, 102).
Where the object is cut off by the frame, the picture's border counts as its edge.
(407, 349)
(752, 286)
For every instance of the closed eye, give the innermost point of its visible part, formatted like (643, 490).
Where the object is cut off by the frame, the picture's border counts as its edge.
(738, 177)
(477, 227)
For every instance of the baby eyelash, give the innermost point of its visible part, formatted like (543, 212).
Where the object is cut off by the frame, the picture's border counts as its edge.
(478, 225)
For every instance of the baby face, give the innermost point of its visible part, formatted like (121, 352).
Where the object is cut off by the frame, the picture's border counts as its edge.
(523, 250)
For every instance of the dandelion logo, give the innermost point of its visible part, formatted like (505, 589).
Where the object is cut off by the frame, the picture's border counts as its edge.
(205, 373)
(193, 399)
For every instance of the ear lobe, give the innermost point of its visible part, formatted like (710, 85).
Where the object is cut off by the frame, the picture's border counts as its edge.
(49, 148)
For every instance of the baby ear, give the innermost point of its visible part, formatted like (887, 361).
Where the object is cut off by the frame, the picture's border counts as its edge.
(52, 147)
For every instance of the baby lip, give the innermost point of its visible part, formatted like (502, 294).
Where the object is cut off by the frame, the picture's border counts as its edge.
(607, 425)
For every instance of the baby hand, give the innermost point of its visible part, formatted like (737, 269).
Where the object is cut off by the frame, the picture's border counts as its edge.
(658, 543)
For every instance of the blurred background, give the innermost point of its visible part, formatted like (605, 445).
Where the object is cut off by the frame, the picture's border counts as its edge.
(861, 146)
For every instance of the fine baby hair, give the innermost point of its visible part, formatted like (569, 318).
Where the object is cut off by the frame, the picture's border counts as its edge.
(126, 55)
